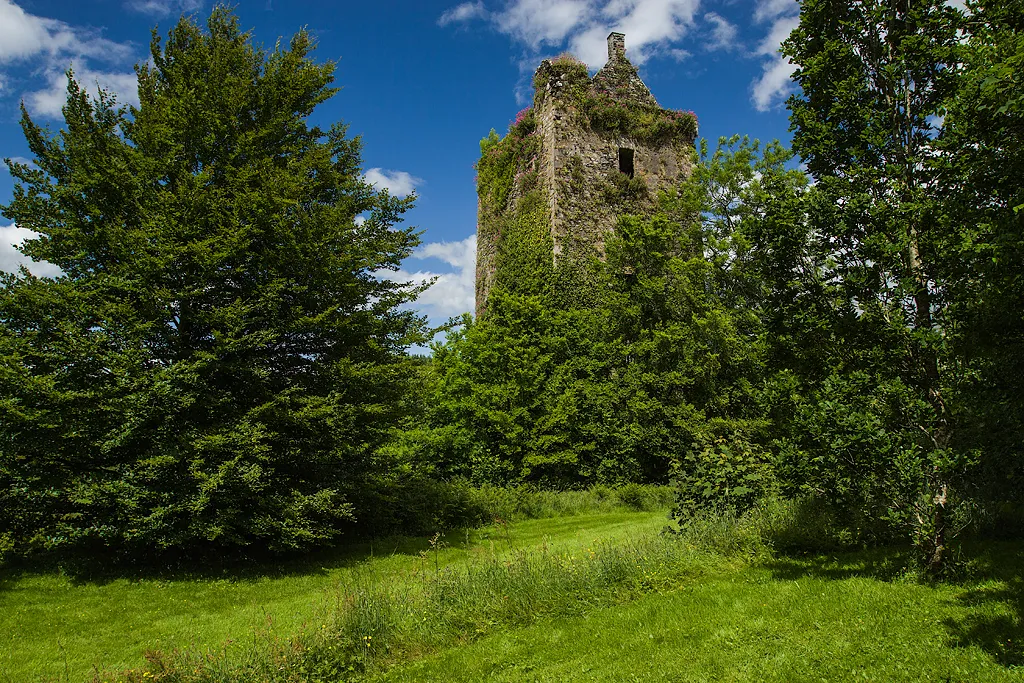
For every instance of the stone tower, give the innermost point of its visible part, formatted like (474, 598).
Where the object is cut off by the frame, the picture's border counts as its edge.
(590, 150)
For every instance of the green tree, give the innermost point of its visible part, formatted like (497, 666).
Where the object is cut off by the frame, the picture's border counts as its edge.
(752, 244)
(872, 76)
(981, 172)
(612, 392)
(219, 359)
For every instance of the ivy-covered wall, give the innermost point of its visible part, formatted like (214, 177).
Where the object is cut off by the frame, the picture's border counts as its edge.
(552, 189)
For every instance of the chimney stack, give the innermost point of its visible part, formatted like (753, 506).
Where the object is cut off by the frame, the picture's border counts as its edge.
(616, 46)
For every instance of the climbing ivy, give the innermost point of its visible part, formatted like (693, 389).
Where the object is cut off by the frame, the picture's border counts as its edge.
(515, 239)
(514, 226)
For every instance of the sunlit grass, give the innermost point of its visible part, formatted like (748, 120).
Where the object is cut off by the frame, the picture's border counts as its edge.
(821, 619)
(52, 626)
(600, 597)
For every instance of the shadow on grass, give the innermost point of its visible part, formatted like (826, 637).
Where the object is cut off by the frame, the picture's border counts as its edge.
(883, 564)
(995, 623)
(99, 568)
(988, 581)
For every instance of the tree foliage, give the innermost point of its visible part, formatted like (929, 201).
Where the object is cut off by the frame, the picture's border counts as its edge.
(612, 392)
(873, 76)
(218, 360)
(981, 180)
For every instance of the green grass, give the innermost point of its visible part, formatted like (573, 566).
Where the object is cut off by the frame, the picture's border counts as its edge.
(54, 627)
(811, 620)
(589, 598)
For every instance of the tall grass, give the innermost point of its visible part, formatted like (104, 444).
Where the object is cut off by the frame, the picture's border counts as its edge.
(368, 626)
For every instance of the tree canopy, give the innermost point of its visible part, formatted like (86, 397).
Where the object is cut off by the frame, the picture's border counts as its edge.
(220, 358)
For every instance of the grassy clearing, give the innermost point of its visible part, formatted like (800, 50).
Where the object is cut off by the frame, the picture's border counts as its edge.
(53, 626)
(830, 619)
(593, 597)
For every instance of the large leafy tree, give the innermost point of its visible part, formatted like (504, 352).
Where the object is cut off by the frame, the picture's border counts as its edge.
(873, 77)
(981, 173)
(219, 359)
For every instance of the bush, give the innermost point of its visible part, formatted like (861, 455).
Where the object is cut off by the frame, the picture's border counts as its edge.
(723, 474)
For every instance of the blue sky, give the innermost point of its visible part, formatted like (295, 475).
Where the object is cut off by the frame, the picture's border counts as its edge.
(423, 82)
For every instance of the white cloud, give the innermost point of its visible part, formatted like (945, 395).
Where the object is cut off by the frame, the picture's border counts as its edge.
(467, 11)
(48, 101)
(51, 46)
(454, 292)
(162, 8)
(769, 10)
(24, 35)
(536, 22)
(10, 258)
(774, 85)
(651, 26)
(776, 80)
(779, 31)
(723, 34)
(398, 183)
(461, 254)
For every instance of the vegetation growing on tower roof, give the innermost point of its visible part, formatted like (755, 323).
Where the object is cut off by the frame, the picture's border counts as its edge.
(614, 101)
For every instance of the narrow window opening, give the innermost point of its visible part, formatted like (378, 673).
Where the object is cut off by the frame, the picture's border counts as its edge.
(626, 161)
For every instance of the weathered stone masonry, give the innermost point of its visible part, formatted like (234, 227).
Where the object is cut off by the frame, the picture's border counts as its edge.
(606, 148)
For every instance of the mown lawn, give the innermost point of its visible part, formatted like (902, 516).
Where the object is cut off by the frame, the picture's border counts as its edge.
(822, 619)
(57, 627)
(844, 617)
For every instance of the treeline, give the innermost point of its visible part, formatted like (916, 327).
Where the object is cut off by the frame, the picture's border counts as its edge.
(848, 330)
(222, 366)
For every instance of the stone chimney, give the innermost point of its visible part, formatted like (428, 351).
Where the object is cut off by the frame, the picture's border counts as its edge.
(616, 46)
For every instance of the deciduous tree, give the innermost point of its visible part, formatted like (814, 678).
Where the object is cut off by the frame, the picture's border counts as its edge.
(873, 77)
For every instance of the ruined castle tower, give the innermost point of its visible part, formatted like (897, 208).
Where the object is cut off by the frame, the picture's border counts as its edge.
(588, 151)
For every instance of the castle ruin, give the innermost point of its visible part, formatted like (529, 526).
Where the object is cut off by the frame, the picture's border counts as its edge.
(588, 151)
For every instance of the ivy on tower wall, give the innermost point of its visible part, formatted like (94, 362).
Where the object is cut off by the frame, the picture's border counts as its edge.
(552, 189)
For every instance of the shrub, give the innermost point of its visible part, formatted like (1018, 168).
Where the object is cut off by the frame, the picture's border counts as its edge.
(723, 474)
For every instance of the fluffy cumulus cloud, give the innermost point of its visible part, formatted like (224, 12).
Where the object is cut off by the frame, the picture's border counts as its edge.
(672, 29)
(453, 291)
(10, 258)
(49, 47)
(398, 183)
(779, 17)
(652, 26)
(48, 101)
(539, 22)
(162, 8)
